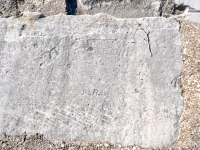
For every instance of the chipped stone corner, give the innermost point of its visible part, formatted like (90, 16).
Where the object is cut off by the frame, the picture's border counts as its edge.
(31, 16)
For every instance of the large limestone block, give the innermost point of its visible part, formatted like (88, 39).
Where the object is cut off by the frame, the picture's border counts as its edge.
(91, 78)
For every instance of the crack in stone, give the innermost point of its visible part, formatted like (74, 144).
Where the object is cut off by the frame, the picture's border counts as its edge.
(148, 38)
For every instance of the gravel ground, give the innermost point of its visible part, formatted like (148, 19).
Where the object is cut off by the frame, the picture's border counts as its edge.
(190, 120)
(38, 142)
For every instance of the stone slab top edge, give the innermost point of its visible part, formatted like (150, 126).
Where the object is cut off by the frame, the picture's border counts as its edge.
(30, 17)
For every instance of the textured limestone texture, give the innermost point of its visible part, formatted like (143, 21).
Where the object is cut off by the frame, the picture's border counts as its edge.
(122, 8)
(17, 7)
(7, 8)
(192, 12)
(93, 78)
(190, 120)
(117, 8)
(195, 4)
(47, 7)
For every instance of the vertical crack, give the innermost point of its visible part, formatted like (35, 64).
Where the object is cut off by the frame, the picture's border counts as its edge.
(148, 38)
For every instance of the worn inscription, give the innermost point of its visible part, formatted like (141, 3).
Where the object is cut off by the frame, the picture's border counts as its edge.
(94, 92)
(81, 78)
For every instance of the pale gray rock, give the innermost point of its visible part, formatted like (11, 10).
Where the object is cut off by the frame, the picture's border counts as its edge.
(193, 16)
(117, 8)
(10, 8)
(192, 3)
(190, 10)
(91, 78)
(122, 8)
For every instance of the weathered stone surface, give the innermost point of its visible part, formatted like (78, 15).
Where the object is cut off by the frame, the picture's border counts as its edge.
(192, 12)
(117, 8)
(91, 78)
(7, 8)
(17, 7)
(193, 16)
(192, 3)
(122, 8)
(47, 7)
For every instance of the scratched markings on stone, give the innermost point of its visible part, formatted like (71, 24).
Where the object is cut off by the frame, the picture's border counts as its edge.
(92, 78)
(2, 33)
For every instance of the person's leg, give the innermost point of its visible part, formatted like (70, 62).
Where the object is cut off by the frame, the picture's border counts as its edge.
(71, 7)
(74, 11)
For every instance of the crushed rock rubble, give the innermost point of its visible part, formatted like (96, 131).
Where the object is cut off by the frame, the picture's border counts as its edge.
(38, 141)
